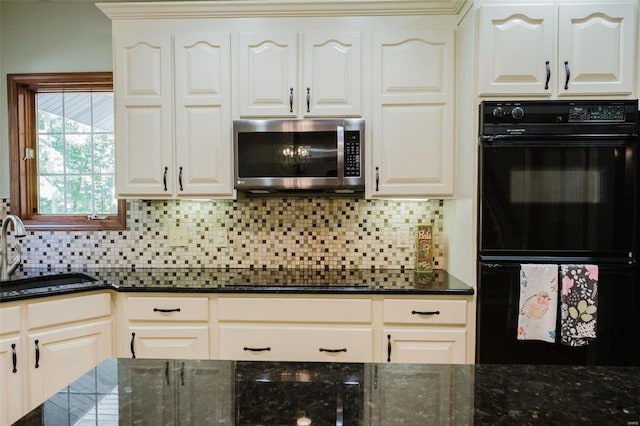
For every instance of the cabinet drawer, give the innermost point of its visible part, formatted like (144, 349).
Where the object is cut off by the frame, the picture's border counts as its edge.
(425, 311)
(168, 308)
(10, 320)
(60, 311)
(340, 344)
(296, 310)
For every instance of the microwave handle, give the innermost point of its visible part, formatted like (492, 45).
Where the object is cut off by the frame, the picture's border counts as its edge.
(340, 131)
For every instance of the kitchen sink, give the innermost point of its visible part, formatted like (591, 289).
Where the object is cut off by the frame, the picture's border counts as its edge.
(45, 281)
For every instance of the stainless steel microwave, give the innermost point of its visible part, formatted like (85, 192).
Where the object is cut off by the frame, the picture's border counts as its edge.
(321, 155)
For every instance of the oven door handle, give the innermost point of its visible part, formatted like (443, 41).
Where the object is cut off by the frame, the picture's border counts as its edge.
(545, 141)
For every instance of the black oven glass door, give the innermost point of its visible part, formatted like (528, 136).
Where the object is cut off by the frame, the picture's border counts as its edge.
(569, 197)
(282, 154)
(617, 341)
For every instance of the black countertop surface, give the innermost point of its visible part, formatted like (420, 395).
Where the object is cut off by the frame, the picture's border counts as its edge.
(167, 392)
(303, 281)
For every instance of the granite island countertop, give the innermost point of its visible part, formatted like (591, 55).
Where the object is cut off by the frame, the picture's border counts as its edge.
(245, 280)
(139, 391)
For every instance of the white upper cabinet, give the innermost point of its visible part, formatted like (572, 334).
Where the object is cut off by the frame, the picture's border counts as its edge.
(413, 134)
(596, 49)
(173, 136)
(268, 79)
(142, 87)
(299, 75)
(549, 50)
(516, 49)
(178, 88)
(202, 114)
(332, 74)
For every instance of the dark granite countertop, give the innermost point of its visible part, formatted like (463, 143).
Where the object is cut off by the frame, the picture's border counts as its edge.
(138, 391)
(267, 281)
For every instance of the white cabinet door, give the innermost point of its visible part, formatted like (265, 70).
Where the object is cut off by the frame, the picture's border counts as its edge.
(516, 49)
(413, 134)
(167, 327)
(271, 64)
(60, 355)
(13, 369)
(332, 74)
(12, 374)
(268, 77)
(142, 84)
(428, 345)
(596, 49)
(202, 114)
(590, 49)
(173, 133)
(169, 341)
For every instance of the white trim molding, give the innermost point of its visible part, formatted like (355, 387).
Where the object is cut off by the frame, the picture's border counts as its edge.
(278, 8)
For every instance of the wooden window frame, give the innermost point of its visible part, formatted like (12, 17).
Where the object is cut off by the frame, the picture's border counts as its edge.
(23, 173)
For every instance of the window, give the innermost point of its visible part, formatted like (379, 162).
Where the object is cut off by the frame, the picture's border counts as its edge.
(61, 151)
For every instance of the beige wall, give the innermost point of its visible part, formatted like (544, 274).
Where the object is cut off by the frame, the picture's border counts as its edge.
(48, 37)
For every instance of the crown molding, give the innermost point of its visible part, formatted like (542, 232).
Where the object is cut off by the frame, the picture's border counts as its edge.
(278, 8)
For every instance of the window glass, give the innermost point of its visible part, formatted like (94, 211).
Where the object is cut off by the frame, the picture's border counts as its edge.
(75, 153)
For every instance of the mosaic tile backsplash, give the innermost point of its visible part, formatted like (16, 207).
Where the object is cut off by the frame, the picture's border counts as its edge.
(325, 233)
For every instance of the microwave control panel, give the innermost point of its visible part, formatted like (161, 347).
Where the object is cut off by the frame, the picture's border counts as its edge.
(351, 153)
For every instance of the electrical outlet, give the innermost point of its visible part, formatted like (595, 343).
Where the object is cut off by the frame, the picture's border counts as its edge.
(220, 238)
(403, 237)
(178, 237)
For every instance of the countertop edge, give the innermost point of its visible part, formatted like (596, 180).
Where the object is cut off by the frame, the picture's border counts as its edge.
(117, 283)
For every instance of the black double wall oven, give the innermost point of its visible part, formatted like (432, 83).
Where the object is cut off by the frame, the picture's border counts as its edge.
(557, 184)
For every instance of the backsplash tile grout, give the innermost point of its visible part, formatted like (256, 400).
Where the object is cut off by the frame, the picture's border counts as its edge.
(323, 233)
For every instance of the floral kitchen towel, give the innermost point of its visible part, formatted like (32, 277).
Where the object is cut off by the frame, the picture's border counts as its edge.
(538, 302)
(579, 304)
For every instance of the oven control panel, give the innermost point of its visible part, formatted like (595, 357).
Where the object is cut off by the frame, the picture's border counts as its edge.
(598, 112)
(536, 117)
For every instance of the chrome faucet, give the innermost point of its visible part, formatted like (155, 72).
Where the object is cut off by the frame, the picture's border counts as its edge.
(18, 231)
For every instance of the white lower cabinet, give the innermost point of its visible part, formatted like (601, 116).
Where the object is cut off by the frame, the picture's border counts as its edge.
(190, 342)
(46, 344)
(65, 338)
(295, 329)
(12, 367)
(433, 346)
(296, 343)
(305, 328)
(165, 327)
(59, 356)
(425, 331)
